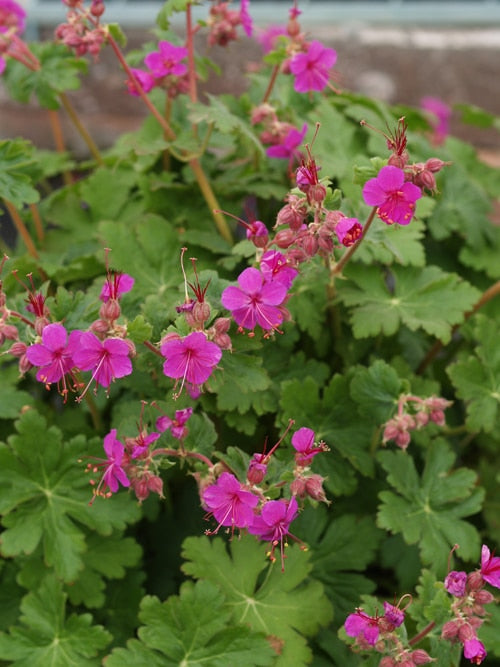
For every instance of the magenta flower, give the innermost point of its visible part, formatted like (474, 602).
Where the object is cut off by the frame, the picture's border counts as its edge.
(229, 502)
(393, 614)
(114, 473)
(365, 628)
(145, 79)
(441, 114)
(348, 231)
(394, 197)
(255, 301)
(287, 148)
(245, 18)
(106, 359)
(303, 443)
(490, 567)
(167, 60)
(176, 426)
(115, 286)
(192, 358)
(273, 524)
(474, 651)
(268, 37)
(311, 69)
(140, 444)
(12, 15)
(274, 267)
(54, 355)
(455, 583)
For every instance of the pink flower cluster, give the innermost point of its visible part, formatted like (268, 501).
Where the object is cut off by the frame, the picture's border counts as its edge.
(164, 69)
(413, 414)
(235, 505)
(12, 24)
(82, 32)
(468, 606)
(224, 21)
(378, 633)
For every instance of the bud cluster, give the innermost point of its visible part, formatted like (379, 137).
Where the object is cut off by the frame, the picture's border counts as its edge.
(413, 414)
(224, 21)
(82, 32)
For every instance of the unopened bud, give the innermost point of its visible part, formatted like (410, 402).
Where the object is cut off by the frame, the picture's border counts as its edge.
(17, 349)
(450, 630)
(421, 657)
(110, 310)
(434, 164)
(475, 581)
(155, 484)
(399, 161)
(97, 9)
(314, 488)
(200, 312)
(387, 661)
(483, 597)
(425, 179)
(100, 327)
(309, 244)
(284, 238)
(298, 487)
(466, 632)
(317, 193)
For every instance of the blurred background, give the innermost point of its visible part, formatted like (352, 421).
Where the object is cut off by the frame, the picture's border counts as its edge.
(396, 50)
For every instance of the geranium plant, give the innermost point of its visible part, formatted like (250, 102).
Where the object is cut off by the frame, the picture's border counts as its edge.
(250, 370)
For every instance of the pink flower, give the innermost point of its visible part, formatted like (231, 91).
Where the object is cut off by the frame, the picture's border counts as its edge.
(393, 614)
(141, 443)
(245, 18)
(348, 231)
(12, 15)
(268, 37)
(274, 267)
(167, 60)
(230, 504)
(192, 358)
(394, 197)
(441, 114)
(303, 443)
(255, 301)
(115, 286)
(54, 355)
(363, 627)
(490, 567)
(273, 524)
(311, 68)
(114, 473)
(177, 425)
(145, 79)
(287, 148)
(106, 359)
(474, 651)
(455, 583)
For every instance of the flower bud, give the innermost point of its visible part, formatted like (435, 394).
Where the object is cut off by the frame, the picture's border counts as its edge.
(18, 349)
(387, 661)
(284, 238)
(466, 632)
(399, 161)
(110, 310)
(309, 244)
(256, 469)
(298, 487)
(434, 164)
(201, 312)
(475, 581)
(8, 332)
(155, 484)
(425, 179)
(483, 597)
(421, 657)
(97, 9)
(314, 488)
(450, 630)
(100, 327)
(317, 193)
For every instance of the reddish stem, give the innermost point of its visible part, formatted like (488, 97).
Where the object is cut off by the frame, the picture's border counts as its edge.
(422, 634)
(184, 454)
(347, 256)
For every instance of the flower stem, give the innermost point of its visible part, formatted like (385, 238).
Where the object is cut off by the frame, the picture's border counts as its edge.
(35, 214)
(414, 640)
(55, 124)
(184, 454)
(270, 85)
(213, 204)
(21, 228)
(68, 107)
(193, 93)
(347, 256)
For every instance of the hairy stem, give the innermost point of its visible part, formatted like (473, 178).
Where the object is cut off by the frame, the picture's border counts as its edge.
(21, 228)
(70, 110)
(414, 640)
(57, 133)
(213, 204)
(35, 214)
(183, 455)
(270, 85)
(347, 256)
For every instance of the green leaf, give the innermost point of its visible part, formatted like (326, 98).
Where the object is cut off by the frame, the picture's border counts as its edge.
(477, 378)
(193, 628)
(392, 243)
(171, 7)
(284, 605)
(17, 163)
(428, 510)
(428, 299)
(376, 389)
(12, 399)
(46, 496)
(45, 636)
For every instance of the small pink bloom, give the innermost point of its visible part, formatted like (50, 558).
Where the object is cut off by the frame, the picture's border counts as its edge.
(230, 503)
(176, 426)
(393, 614)
(311, 69)
(273, 524)
(114, 473)
(115, 286)
(441, 114)
(474, 651)
(145, 79)
(255, 301)
(245, 18)
(363, 627)
(12, 15)
(287, 148)
(273, 266)
(106, 359)
(167, 60)
(141, 443)
(490, 567)
(348, 231)
(394, 197)
(303, 443)
(257, 469)
(455, 583)
(54, 355)
(192, 358)
(268, 37)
